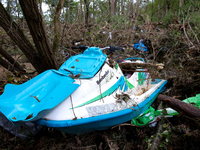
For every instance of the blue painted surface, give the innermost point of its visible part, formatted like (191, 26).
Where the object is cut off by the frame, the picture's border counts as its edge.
(101, 122)
(36, 97)
(86, 64)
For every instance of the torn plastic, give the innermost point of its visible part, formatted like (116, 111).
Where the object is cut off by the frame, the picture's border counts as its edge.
(151, 116)
(22, 131)
(140, 46)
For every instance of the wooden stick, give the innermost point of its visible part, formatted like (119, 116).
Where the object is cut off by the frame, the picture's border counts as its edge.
(180, 106)
(128, 70)
(134, 65)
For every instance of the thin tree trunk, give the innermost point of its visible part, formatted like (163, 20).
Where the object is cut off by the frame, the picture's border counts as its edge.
(68, 12)
(152, 11)
(158, 10)
(36, 26)
(109, 10)
(180, 5)
(77, 13)
(87, 12)
(93, 10)
(115, 7)
(122, 7)
(81, 9)
(112, 7)
(56, 21)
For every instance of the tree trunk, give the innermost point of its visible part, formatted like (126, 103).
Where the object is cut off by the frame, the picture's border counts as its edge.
(112, 7)
(35, 24)
(122, 7)
(93, 10)
(158, 10)
(68, 12)
(87, 12)
(81, 6)
(56, 39)
(109, 10)
(115, 7)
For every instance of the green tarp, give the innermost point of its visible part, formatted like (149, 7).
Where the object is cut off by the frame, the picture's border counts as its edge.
(151, 115)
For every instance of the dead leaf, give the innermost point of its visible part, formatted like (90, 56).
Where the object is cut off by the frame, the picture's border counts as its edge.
(29, 116)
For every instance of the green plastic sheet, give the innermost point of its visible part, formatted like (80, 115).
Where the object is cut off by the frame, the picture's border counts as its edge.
(151, 115)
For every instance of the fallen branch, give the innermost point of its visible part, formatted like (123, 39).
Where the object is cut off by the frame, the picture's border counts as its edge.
(128, 70)
(147, 65)
(86, 147)
(180, 106)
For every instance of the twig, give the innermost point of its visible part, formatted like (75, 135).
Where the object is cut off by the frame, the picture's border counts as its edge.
(194, 35)
(73, 108)
(100, 86)
(128, 70)
(125, 124)
(186, 33)
(157, 139)
(35, 98)
(87, 147)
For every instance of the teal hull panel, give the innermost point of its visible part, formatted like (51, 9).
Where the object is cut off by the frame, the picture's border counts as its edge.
(35, 98)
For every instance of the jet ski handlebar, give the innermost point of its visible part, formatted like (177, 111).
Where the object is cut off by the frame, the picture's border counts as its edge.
(81, 47)
(111, 49)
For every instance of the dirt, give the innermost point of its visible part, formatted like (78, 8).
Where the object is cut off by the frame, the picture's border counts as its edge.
(125, 137)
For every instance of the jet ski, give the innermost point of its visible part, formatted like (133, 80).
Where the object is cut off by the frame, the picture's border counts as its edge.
(88, 92)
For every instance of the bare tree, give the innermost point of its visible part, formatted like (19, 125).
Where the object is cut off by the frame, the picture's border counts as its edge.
(40, 57)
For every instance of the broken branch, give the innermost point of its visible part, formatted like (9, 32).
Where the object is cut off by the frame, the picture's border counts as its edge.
(180, 106)
(135, 65)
